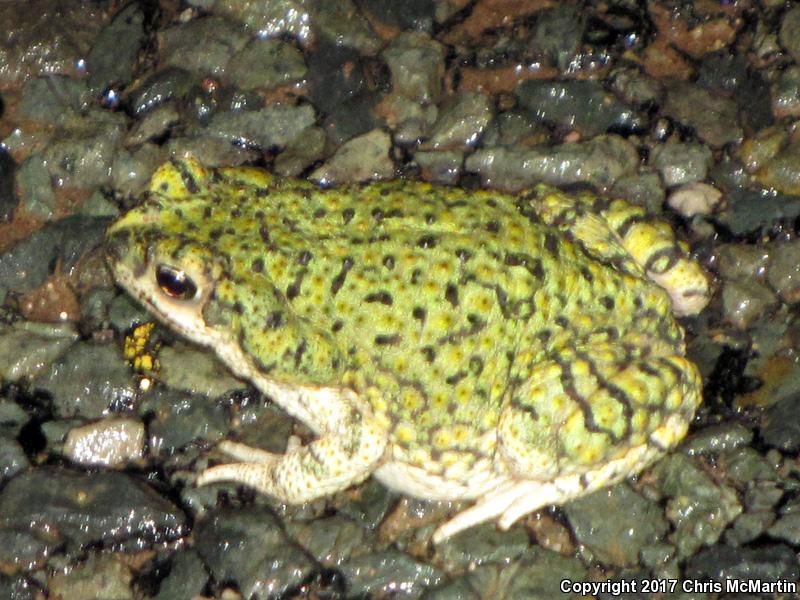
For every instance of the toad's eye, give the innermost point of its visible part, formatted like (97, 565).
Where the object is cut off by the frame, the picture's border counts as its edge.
(175, 283)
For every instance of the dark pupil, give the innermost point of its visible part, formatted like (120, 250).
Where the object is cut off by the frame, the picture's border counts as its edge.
(175, 283)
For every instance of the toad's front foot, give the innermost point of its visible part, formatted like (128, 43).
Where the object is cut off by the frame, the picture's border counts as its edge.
(304, 473)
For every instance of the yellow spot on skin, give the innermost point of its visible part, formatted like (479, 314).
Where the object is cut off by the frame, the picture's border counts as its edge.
(404, 433)
(442, 439)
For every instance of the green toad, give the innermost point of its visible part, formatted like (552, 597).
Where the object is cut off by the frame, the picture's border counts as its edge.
(508, 349)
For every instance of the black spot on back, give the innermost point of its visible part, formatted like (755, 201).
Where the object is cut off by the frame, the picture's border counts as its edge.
(274, 320)
(429, 353)
(451, 294)
(387, 339)
(382, 296)
(427, 242)
(338, 281)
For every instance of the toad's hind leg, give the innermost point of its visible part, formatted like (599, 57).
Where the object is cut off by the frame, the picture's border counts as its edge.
(624, 237)
(582, 421)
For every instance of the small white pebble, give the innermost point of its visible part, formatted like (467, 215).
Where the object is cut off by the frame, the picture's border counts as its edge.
(696, 198)
(111, 442)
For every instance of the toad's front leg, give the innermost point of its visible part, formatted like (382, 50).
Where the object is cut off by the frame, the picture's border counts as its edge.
(329, 464)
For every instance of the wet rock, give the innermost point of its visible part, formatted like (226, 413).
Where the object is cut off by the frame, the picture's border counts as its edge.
(337, 78)
(360, 159)
(23, 550)
(783, 273)
(266, 64)
(12, 417)
(35, 188)
(248, 546)
(695, 198)
(537, 576)
(112, 442)
(88, 381)
(598, 162)
(18, 588)
(789, 35)
(383, 571)
(105, 576)
(727, 75)
(8, 197)
(276, 125)
(481, 545)
(170, 83)
(513, 127)
(372, 505)
(82, 157)
(583, 106)
(46, 38)
(440, 167)
(746, 301)
(681, 163)
(748, 527)
(417, 15)
(644, 189)
(214, 151)
(115, 51)
(330, 540)
(155, 124)
(748, 210)
(54, 100)
(269, 19)
(557, 34)
(124, 313)
(635, 87)
(786, 93)
(97, 205)
(615, 524)
(410, 122)
(782, 172)
(131, 171)
(714, 117)
(221, 37)
(341, 23)
(787, 527)
(186, 579)
(27, 349)
(190, 368)
(780, 426)
(176, 419)
(745, 466)
(694, 31)
(756, 151)
(300, 153)
(416, 63)
(766, 563)
(718, 438)
(78, 509)
(699, 507)
(336, 75)
(461, 122)
(12, 456)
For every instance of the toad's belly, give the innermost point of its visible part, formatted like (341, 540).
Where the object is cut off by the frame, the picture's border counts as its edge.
(416, 481)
